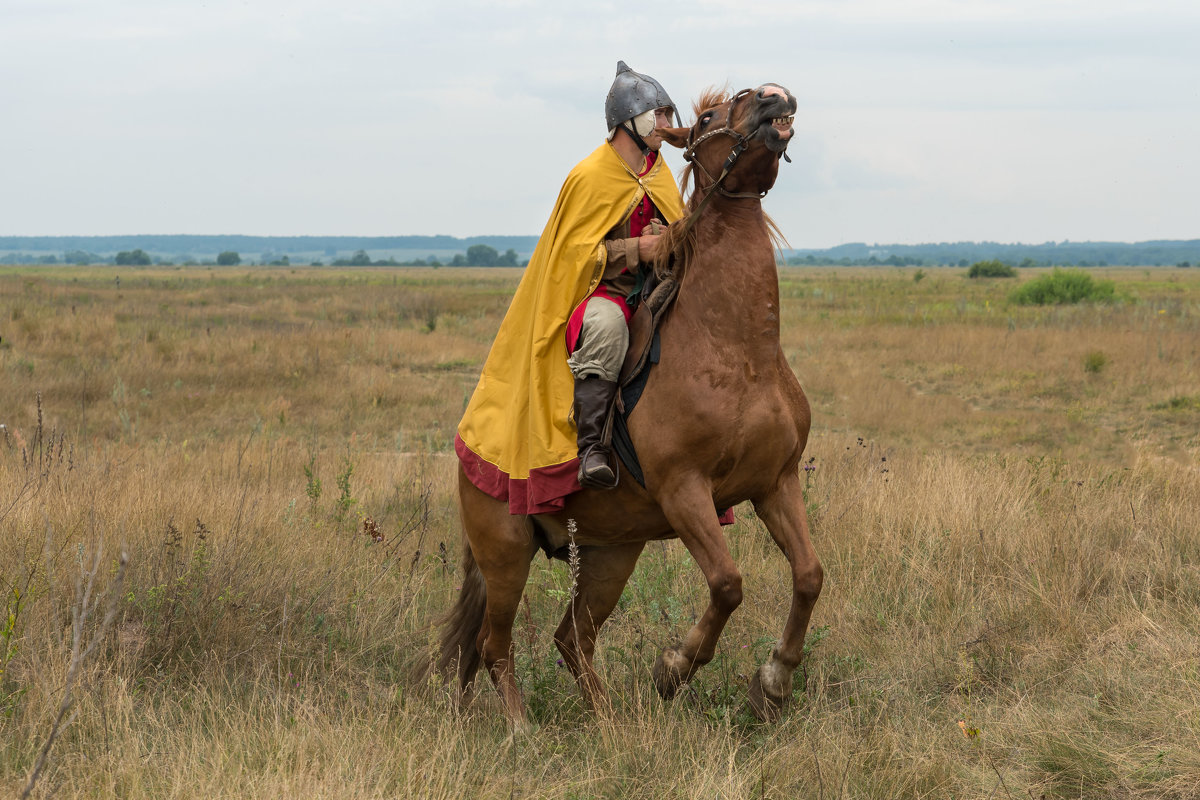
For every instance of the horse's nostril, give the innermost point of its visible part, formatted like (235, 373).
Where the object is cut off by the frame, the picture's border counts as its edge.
(771, 89)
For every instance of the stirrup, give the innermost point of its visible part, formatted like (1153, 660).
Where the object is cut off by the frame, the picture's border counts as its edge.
(597, 468)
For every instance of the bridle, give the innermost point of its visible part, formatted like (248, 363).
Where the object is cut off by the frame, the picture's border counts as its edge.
(739, 147)
(741, 142)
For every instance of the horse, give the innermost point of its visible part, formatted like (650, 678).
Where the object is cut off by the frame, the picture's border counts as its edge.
(722, 419)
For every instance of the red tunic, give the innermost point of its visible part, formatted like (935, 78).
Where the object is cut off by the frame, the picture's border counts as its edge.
(611, 289)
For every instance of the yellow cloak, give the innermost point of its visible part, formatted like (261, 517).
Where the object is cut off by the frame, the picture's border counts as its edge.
(516, 439)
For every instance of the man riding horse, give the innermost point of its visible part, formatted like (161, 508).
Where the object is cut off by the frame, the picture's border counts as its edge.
(722, 418)
(568, 320)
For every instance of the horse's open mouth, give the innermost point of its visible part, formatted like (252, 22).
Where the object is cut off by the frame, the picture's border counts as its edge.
(777, 132)
(773, 117)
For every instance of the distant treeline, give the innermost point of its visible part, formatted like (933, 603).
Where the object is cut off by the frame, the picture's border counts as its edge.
(269, 250)
(961, 254)
(181, 244)
(477, 255)
(515, 251)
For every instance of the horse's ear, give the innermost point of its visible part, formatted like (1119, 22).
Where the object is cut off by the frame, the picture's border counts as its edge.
(677, 137)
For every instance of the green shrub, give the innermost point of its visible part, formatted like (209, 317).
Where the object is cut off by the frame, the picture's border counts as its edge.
(991, 269)
(1094, 361)
(1063, 286)
(1180, 402)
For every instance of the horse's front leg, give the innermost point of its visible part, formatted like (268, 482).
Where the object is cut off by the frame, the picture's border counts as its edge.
(689, 509)
(783, 512)
(603, 573)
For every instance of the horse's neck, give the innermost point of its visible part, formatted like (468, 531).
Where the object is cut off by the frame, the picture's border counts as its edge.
(731, 284)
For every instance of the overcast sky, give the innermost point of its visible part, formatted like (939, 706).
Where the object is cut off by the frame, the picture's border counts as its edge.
(919, 121)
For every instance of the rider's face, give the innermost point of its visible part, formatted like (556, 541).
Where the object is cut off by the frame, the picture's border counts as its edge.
(662, 119)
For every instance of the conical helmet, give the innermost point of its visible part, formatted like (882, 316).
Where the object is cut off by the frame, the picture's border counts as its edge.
(633, 93)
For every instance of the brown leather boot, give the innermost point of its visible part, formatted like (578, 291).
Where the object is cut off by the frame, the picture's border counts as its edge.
(597, 463)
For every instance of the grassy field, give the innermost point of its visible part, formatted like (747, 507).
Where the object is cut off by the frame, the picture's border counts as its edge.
(1006, 500)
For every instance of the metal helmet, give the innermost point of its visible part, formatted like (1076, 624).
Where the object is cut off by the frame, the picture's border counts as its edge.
(633, 93)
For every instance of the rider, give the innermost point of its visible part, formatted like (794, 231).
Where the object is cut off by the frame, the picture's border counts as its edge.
(567, 323)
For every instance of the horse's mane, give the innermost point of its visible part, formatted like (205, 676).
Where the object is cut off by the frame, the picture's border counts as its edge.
(676, 239)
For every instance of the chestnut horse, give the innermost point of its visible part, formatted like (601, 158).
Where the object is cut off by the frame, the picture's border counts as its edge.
(722, 419)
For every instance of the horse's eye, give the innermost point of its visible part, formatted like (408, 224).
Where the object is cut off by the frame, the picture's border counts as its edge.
(705, 119)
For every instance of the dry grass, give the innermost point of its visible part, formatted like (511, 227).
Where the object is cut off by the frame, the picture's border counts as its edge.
(1010, 539)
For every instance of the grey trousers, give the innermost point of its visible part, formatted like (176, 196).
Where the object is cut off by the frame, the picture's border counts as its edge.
(603, 340)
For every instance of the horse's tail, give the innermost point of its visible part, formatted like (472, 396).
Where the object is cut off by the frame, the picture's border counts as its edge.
(461, 625)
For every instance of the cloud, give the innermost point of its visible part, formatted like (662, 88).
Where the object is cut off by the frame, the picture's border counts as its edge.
(933, 119)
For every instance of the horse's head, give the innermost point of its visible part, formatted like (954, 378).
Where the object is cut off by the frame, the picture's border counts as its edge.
(738, 139)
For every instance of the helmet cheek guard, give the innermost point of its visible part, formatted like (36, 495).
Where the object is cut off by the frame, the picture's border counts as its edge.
(643, 123)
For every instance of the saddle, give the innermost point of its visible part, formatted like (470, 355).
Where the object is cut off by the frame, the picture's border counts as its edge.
(643, 326)
(643, 353)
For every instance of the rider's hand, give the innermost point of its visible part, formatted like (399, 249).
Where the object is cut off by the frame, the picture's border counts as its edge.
(648, 242)
(647, 246)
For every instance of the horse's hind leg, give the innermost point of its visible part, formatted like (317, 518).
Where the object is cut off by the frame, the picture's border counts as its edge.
(784, 514)
(689, 509)
(505, 575)
(502, 546)
(603, 573)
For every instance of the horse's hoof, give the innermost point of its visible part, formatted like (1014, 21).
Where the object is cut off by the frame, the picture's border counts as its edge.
(596, 699)
(769, 693)
(670, 672)
(462, 696)
(520, 729)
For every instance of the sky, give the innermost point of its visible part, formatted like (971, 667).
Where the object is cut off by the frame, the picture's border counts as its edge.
(919, 121)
